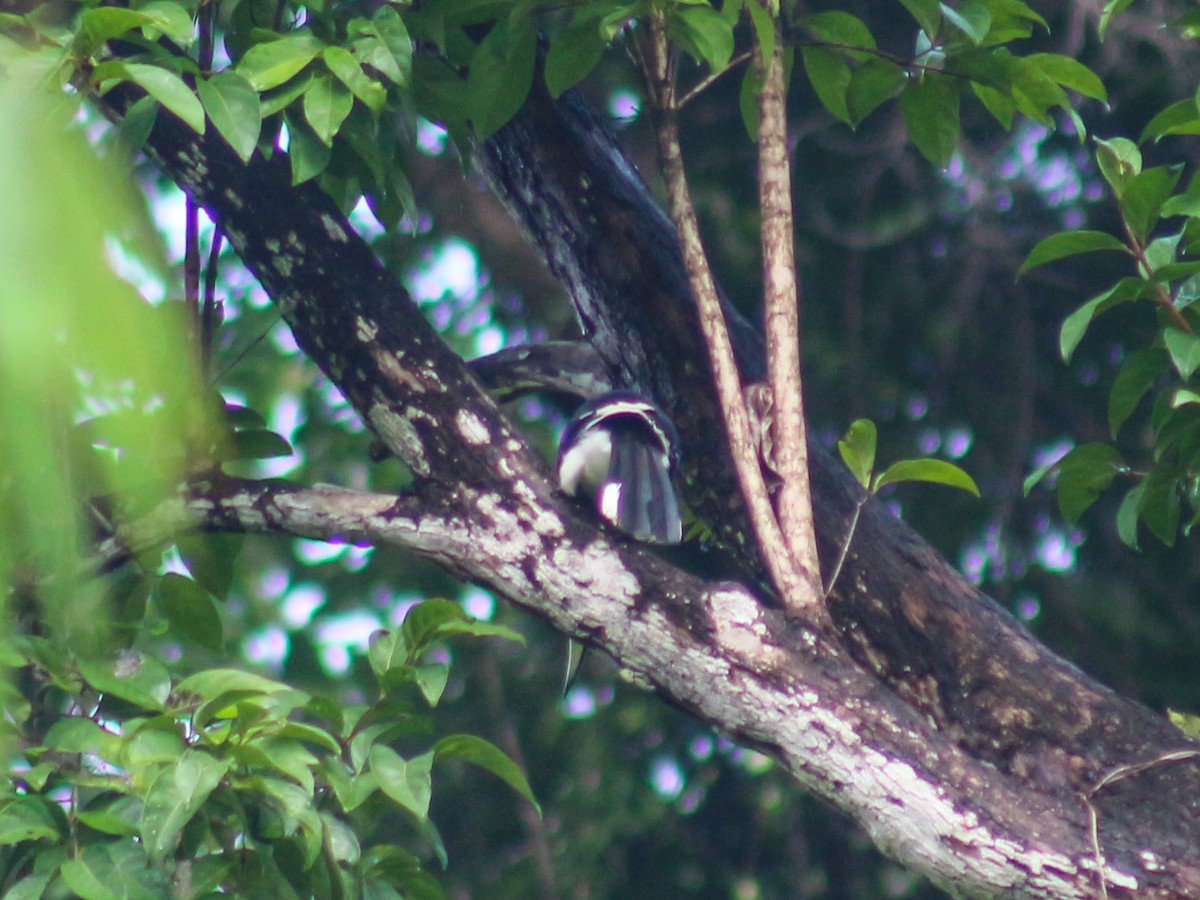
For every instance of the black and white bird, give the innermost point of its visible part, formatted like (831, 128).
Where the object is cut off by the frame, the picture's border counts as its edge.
(619, 451)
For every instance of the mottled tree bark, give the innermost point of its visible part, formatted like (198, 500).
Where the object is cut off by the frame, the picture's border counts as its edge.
(964, 747)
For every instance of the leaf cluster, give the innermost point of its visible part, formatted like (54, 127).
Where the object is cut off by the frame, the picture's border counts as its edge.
(225, 781)
(1161, 241)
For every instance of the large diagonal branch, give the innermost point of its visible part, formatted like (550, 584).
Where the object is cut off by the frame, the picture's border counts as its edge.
(934, 640)
(963, 746)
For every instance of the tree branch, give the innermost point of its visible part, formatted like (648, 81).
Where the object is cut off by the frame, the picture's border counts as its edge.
(789, 458)
(799, 592)
(964, 746)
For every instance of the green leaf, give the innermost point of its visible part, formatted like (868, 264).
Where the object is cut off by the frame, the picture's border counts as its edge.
(1184, 349)
(1001, 106)
(191, 610)
(175, 797)
(931, 111)
(972, 19)
(270, 64)
(764, 30)
(1159, 254)
(327, 102)
(857, 449)
(501, 74)
(171, 20)
(1069, 243)
(1181, 117)
(115, 815)
(928, 14)
(284, 755)
(1127, 516)
(27, 819)
(392, 55)
(1119, 161)
(935, 471)
(1143, 196)
(408, 782)
(704, 33)
(133, 677)
(1159, 504)
(211, 557)
(116, 870)
(871, 84)
(212, 683)
(76, 734)
(438, 618)
(837, 27)
(168, 89)
(1070, 73)
(1137, 375)
(1111, 9)
(573, 54)
(748, 100)
(1075, 326)
(431, 678)
(348, 71)
(101, 24)
(1188, 723)
(830, 76)
(309, 155)
(487, 756)
(386, 650)
(1083, 474)
(234, 108)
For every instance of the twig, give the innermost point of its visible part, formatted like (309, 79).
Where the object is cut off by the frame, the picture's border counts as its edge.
(845, 551)
(1120, 773)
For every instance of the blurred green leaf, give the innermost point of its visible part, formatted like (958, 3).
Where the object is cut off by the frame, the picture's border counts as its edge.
(1184, 349)
(349, 72)
(191, 610)
(1143, 196)
(973, 19)
(27, 819)
(327, 102)
(1083, 474)
(1069, 243)
(1120, 161)
(117, 870)
(930, 108)
(1071, 74)
(134, 677)
(270, 64)
(704, 33)
(857, 449)
(486, 755)
(573, 53)
(233, 105)
(501, 73)
(830, 76)
(871, 84)
(176, 795)
(935, 471)
(1075, 326)
(1182, 117)
(1136, 376)
(1158, 505)
(408, 782)
(168, 89)
(838, 27)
